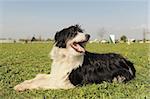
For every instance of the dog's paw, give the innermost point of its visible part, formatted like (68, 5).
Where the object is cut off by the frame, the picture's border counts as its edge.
(20, 87)
(119, 79)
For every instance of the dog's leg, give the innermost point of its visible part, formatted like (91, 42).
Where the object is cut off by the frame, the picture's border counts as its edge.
(35, 83)
(43, 81)
(121, 75)
(119, 79)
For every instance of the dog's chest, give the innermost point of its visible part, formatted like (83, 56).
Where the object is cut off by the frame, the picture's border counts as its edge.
(61, 67)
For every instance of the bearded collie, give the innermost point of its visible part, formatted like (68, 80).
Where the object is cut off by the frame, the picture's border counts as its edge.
(74, 66)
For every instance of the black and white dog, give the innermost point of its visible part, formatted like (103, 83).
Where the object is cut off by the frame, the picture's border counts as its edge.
(72, 65)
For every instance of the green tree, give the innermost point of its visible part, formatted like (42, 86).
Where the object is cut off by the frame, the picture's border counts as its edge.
(123, 38)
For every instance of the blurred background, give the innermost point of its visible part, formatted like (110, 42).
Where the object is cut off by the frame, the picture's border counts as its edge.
(105, 20)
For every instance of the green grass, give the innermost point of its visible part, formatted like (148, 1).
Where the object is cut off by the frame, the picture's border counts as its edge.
(19, 62)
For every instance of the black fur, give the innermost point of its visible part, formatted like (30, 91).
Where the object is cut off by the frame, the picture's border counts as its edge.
(97, 68)
(66, 34)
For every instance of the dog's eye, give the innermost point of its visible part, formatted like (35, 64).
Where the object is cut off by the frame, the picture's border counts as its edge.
(74, 34)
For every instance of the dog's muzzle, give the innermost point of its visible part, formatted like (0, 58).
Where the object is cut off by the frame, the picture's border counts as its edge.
(87, 36)
(79, 46)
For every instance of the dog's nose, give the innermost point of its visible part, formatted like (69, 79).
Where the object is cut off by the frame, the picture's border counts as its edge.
(87, 36)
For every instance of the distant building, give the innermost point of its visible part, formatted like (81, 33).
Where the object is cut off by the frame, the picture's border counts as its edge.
(112, 38)
(7, 41)
(104, 41)
(94, 41)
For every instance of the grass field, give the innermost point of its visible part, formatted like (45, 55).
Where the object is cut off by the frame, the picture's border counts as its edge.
(19, 62)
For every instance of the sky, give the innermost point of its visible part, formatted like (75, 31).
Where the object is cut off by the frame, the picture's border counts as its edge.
(27, 18)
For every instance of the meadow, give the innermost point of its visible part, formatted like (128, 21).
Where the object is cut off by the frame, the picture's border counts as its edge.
(19, 62)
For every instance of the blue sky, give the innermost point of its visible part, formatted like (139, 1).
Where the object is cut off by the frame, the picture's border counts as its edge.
(25, 18)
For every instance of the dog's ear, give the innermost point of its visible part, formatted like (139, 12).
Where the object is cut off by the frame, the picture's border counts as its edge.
(66, 34)
(60, 40)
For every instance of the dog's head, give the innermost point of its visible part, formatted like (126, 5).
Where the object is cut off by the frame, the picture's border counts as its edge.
(72, 38)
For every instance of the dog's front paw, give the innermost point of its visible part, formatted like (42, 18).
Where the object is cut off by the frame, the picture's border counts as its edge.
(20, 87)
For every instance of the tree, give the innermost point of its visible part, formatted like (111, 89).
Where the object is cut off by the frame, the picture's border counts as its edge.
(33, 39)
(123, 38)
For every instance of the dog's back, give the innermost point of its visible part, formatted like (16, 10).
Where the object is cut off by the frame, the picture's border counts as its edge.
(102, 67)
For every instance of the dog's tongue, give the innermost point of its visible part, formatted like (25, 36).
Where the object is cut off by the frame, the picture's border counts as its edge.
(78, 48)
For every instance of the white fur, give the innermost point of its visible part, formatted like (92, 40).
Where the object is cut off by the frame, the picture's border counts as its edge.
(130, 71)
(79, 37)
(63, 63)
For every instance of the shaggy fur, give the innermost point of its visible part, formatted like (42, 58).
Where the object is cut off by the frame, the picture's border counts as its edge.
(102, 67)
(72, 65)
